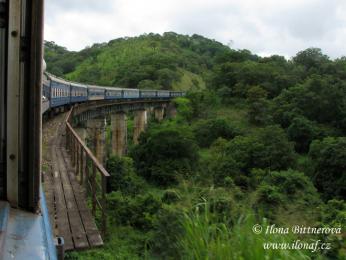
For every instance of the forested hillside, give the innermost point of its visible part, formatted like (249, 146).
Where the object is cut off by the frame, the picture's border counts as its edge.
(256, 141)
(148, 61)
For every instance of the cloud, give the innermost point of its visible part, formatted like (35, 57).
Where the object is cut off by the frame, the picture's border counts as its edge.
(265, 27)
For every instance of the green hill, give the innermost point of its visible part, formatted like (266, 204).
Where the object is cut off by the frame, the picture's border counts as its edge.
(148, 61)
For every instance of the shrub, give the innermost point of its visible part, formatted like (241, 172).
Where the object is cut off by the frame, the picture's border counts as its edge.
(302, 131)
(166, 230)
(207, 131)
(164, 153)
(123, 177)
(329, 173)
(138, 212)
(171, 196)
(285, 189)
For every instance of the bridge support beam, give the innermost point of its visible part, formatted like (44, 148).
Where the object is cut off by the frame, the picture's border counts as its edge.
(119, 133)
(140, 122)
(97, 127)
(83, 134)
(159, 113)
(171, 111)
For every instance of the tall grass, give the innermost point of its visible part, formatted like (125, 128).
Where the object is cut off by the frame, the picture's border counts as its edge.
(204, 239)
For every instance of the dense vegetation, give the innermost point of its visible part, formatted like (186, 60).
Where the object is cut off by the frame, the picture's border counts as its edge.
(148, 61)
(263, 143)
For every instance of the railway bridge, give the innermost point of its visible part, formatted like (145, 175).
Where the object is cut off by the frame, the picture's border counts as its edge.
(76, 173)
(41, 214)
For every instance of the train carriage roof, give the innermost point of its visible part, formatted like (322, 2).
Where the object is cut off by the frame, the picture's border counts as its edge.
(130, 89)
(113, 88)
(74, 84)
(56, 79)
(96, 87)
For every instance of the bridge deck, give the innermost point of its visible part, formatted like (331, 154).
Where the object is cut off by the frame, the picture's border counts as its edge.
(66, 200)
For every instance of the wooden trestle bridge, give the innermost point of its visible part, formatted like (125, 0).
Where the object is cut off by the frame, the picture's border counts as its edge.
(75, 185)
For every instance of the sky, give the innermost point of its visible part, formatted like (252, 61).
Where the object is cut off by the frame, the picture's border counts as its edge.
(264, 27)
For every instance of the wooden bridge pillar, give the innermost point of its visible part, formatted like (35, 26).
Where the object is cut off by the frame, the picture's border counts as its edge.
(140, 122)
(98, 133)
(83, 134)
(171, 111)
(119, 133)
(159, 113)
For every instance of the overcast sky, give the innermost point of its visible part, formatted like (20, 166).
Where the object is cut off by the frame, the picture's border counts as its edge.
(263, 26)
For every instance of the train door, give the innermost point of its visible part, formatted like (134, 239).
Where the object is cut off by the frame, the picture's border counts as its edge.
(3, 33)
(21, 55)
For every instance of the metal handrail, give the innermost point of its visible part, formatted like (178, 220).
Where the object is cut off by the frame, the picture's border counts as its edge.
(81, 155)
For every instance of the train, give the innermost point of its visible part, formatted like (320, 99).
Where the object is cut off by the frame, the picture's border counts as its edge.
(58, 92)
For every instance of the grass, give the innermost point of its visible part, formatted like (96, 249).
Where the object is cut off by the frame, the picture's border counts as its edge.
(235, 115)
(123, 243)
(187, 80)
(204, 239)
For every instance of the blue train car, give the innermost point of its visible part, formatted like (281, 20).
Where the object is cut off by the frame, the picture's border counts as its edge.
(113, 93)
(148, 93)
(130, 93)
(79, 92)
(96, 93)
(163, 93)
(59, 92)
(176, 94)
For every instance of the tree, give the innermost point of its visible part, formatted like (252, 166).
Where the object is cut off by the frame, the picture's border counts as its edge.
(285, 189)
(122, 176)
(165, 153)
(147, 84)
(184, 108)
(207, 131)
(329, 174)
(258, 106)
(267, 149)
(311, 58)
(319, 99)
(302, 131)
(278, 152)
